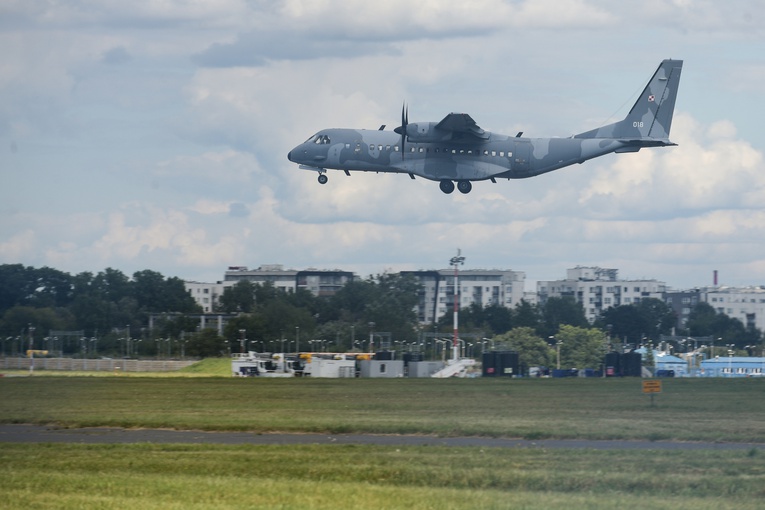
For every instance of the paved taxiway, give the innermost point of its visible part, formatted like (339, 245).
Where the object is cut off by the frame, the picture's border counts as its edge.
(22, 433)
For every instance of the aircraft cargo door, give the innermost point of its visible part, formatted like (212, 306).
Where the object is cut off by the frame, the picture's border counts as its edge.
(519, 164)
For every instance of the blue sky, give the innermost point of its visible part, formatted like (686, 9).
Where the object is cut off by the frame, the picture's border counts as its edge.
(153, 135)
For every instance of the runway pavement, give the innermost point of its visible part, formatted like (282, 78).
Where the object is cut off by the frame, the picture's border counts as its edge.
(23, 433)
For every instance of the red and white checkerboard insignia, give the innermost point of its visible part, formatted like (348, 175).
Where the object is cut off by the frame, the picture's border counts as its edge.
(651, 98)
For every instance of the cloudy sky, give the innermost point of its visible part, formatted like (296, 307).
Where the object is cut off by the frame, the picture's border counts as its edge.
(153, 134)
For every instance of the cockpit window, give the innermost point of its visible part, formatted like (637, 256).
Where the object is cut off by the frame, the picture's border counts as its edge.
(318, 139)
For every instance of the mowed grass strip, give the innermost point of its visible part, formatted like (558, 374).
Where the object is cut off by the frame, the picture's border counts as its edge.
(688, 409)
(347, 476)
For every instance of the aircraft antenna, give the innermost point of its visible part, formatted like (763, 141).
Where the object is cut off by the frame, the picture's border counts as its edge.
(630, 98)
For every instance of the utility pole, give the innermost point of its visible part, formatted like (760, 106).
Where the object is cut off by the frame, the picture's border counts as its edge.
(456, 262)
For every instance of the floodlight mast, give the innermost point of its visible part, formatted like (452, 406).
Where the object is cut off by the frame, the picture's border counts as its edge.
(456, 262)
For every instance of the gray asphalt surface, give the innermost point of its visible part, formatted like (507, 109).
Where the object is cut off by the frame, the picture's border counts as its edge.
(107, 435)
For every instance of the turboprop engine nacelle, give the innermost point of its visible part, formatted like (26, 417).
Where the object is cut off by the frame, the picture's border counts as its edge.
(426, 132)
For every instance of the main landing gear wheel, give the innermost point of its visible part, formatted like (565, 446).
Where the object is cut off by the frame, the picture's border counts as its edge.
(323, 179)
(464, 186)
(446, 186)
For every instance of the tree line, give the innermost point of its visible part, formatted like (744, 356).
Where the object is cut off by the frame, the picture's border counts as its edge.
(113, 311)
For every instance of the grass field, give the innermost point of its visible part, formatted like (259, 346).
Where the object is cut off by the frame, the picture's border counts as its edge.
(688, 409)
(336, 476)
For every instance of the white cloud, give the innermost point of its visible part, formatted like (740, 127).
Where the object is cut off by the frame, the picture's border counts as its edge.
(550, 14)
(114, 12)
(156, 163)
(19, 246)
(709, 169)
(229, 167)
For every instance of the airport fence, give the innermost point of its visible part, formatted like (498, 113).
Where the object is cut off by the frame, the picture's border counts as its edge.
(94, 365)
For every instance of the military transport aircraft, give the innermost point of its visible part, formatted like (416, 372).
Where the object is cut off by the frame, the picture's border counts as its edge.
(456, 150)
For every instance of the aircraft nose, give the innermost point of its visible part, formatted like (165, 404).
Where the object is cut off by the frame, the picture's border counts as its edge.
(294, 155)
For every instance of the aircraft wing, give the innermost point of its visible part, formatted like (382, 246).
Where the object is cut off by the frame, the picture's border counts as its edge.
(462, 124)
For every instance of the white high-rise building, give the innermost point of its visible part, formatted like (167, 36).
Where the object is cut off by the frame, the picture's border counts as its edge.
(746, 304)
(318, 282)
(205, 294)
(480, 286)
(599, 289)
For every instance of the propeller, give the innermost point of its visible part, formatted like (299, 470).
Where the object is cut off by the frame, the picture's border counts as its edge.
(402, 129)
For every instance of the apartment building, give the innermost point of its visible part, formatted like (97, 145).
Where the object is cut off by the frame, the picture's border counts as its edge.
(746, 304)
(484, 287)
(318, 282)
(598, 289)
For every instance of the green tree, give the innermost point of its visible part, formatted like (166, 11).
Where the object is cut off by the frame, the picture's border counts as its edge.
(350, 302)
(15, 286)
(471, 319)
(111, 285)
(392, 306)
(240, 297)
(95, 315)
(581, 347)
(704, 320)
(176, 298)
(526, 315)
(52, 288)
(559, 311)
(658, 316)
(17, 321)
(338, 335)
(649, 318)
(156, 294)
(533, 351)
(206, 344)
(173, 326)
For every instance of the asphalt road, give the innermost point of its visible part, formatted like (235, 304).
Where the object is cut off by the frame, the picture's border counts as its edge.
(107, 435)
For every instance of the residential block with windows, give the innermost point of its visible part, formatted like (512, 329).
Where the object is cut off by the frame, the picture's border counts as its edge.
(318, 282)
(599, 289)
(746, 304)
(500, 287)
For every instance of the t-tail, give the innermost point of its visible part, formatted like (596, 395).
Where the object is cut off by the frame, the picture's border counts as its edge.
(650, 119)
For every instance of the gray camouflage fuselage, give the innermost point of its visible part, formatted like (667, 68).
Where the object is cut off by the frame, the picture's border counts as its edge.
(456, 150)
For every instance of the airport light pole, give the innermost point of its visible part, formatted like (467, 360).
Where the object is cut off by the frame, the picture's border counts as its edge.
(31, 348)
(730, 359)
(456, 262)
(557, 350)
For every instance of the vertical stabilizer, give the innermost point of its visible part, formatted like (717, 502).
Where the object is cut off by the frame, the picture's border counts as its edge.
(650, 118)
